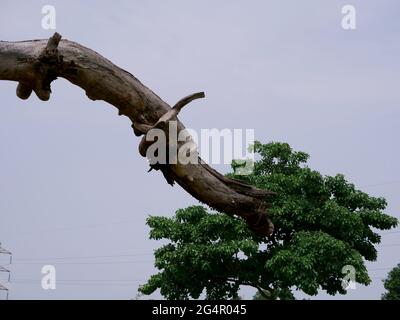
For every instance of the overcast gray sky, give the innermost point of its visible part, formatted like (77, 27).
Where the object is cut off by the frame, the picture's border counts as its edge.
(74, 190)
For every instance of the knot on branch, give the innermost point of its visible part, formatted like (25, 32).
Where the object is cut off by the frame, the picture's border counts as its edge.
(50, 52)
(162, 123)
(47, 68)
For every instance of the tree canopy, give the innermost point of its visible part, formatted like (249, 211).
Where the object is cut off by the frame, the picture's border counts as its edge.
(392, 284)
(322, 223)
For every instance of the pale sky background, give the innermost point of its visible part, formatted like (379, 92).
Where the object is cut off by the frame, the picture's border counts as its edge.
(74, 190)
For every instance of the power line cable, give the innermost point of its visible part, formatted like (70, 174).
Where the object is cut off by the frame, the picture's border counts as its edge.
(83, 257)
(381, 184)
(85, 263)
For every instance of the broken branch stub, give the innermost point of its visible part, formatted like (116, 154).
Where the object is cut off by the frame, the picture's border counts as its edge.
(35, 64)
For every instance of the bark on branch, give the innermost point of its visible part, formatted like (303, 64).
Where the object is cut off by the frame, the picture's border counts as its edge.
(35, 64)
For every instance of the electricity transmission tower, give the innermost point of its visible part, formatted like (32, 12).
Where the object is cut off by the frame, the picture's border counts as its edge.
(2, 269)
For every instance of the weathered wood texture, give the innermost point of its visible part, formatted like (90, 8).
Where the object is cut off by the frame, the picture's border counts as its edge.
(35, 64)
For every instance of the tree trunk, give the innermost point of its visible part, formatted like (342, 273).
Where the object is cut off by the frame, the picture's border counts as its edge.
(35, 64)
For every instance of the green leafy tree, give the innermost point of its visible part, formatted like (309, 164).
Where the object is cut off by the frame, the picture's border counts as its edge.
(322, 223)
(392, 285)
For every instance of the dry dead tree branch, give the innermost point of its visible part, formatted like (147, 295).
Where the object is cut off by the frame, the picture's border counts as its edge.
(35, 64)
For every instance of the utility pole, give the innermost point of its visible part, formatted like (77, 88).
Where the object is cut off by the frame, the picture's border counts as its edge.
(2, 269)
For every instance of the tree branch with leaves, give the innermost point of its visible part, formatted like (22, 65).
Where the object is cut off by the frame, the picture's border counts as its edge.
(322, 224)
